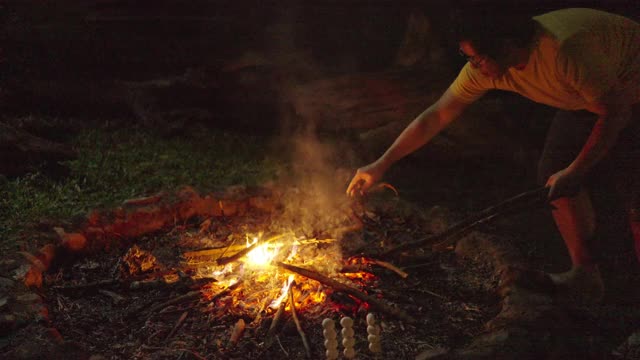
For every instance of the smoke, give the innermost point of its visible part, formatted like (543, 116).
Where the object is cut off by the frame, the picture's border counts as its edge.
(314, 199)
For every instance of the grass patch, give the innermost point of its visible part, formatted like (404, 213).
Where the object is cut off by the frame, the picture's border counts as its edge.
(116, 165)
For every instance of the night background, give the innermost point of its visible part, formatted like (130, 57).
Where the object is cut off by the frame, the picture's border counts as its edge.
(103, 101)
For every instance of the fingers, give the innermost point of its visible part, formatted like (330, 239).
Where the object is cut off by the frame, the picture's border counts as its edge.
(359, 184)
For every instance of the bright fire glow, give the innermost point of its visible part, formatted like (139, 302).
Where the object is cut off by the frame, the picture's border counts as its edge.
(261, 255)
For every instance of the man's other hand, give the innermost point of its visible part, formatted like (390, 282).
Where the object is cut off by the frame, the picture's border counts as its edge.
(564, 183)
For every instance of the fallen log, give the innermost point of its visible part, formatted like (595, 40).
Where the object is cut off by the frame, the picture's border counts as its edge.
(337, 286)
(448, 237)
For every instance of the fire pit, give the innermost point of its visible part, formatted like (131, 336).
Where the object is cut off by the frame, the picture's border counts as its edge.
(224, 276)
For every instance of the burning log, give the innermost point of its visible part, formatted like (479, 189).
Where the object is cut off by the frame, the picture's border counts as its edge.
(450, 236)
(379, 305)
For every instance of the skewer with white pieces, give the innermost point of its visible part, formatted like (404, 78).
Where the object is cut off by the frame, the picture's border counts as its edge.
(348, 339)
(330, 338)
(374, 334)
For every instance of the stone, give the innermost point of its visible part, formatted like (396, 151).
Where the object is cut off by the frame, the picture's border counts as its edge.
(28, 298)
(7, 323)
(74, 242)
(6, 284)
(433, 354)
(8, 265)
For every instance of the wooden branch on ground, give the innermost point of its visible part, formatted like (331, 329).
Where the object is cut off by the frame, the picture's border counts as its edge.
(337, 286)
(294, 314)
(448, 237)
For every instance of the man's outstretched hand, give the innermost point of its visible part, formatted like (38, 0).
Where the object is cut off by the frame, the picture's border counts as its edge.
(364, 178)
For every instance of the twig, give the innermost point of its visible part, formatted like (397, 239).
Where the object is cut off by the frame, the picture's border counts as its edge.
(274, 323)
(391, 267)
(212, 251)
(281, 347)
(303, 336)
(116, 298)
(258, 317)
(449, 236)
(87, 286)
(181, 320)
(384, 185)
(379, 305)
(191, 295)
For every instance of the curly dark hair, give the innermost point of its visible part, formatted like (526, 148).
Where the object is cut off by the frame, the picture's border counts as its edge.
(489, 26)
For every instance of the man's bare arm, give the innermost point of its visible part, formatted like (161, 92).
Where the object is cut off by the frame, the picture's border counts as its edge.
(422, 129)
(612, 118)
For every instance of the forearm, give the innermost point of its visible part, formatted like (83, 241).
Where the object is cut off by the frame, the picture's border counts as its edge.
(422, 129)
(603, 137)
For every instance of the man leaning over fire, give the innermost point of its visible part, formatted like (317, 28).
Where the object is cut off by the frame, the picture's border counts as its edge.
(585, 63)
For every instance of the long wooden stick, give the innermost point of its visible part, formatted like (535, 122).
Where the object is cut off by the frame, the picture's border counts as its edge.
(379, 305)
(294, 314)
(449, 236)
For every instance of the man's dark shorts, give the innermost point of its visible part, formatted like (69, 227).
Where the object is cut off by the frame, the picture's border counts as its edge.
(614, 184)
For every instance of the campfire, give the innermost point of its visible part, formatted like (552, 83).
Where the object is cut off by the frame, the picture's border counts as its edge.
(259, 265)
(254, 285)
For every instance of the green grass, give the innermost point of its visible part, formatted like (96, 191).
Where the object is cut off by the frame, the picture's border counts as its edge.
(116, 165)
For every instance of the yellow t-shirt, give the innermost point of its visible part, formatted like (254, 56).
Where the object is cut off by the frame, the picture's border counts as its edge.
(579, 55)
